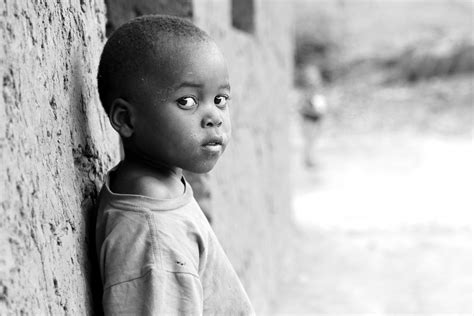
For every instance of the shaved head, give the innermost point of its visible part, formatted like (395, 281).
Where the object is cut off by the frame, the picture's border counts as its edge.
(130, 50)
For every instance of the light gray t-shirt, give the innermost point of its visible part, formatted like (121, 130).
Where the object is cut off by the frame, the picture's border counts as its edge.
(161, 257)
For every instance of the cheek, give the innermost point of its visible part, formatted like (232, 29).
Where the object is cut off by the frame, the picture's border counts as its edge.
(184, 137)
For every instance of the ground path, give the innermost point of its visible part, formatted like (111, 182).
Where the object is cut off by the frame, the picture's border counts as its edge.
(384, 226)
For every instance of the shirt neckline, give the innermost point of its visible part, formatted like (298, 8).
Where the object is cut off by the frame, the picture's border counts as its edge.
(139, 202)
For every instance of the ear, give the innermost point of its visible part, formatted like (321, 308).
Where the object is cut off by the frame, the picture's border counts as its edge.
(121, 117)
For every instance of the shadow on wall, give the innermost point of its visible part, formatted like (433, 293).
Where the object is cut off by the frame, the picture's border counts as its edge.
(89, 170)
(121, 11)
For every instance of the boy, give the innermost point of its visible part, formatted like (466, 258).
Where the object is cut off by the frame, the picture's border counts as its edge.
(164, 85)
(313, 107)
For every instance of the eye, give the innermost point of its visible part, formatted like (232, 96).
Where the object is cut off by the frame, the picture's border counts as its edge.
(186, 102)
(221, 100)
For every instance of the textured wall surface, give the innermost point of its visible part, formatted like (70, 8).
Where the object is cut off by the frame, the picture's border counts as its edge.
(56, 145)
(120, 11)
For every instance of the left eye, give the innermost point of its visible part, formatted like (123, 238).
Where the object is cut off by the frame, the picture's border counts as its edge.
(186, 102)
(221, 100)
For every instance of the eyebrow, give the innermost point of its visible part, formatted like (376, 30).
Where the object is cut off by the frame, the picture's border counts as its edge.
(199, 85)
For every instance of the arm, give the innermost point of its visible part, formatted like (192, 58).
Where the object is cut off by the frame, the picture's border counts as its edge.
(140, 275)
(155, 293)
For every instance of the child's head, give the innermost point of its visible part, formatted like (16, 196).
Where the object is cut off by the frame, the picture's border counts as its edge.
(164, 84)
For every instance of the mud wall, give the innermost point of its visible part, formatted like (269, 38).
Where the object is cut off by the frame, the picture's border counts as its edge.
(56, 145)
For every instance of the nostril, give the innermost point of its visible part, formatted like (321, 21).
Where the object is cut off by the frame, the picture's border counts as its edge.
(212, 123)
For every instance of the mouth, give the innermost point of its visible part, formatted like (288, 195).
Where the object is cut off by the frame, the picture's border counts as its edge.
(213, 144)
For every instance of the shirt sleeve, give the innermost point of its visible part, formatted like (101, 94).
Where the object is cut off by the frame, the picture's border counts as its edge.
(147, 272)
(157, 292)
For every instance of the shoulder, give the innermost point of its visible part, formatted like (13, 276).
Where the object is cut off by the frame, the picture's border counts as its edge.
(124, 243)
(151, 187)
(134, 242)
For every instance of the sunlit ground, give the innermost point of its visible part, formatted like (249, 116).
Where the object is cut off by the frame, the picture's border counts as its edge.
(384, 218)
(410, 181)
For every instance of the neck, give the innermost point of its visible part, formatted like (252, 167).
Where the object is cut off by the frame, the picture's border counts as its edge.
(156, 167)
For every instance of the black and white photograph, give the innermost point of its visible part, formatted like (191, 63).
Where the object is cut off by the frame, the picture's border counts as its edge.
(237, 157)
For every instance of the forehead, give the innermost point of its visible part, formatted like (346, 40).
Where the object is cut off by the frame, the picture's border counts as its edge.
(186, 60)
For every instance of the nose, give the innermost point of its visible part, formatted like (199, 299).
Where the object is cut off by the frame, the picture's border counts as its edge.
(212, 118)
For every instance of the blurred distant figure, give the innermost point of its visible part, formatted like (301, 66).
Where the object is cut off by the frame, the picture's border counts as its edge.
(312, 107)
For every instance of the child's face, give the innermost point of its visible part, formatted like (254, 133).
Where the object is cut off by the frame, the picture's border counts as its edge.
(182, 117)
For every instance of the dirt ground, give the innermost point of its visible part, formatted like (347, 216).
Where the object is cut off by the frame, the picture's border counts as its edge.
(383, 219)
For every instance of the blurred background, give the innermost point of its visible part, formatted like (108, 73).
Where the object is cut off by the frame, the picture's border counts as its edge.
(383, 207)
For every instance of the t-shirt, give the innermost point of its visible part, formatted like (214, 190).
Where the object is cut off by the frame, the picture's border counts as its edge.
(161, 257)
(314, 108)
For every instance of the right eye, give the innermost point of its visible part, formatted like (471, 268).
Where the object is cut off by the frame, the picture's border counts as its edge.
(186, 102)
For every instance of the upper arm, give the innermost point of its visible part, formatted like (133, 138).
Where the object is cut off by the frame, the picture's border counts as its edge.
(157, 292)
(149, 270)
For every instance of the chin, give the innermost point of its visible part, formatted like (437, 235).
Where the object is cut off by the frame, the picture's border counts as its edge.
(202, 168)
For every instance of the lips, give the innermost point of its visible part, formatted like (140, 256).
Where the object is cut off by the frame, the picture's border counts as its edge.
(213, 144)
(213, 141)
